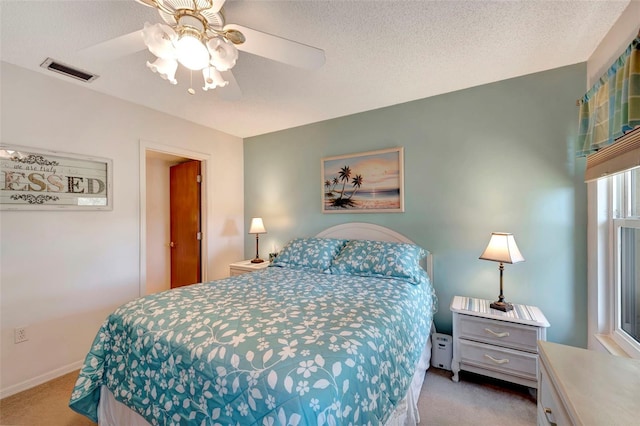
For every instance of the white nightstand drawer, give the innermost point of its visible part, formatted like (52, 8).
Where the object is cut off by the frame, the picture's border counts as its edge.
(501, 333)
(506, 361)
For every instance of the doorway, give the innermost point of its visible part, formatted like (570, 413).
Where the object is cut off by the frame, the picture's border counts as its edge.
(156, 270)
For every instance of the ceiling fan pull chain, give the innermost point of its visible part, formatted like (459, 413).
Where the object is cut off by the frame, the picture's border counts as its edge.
(190, 89)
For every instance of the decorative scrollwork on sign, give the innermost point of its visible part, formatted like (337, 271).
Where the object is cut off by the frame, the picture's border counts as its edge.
(49, 180)
(35, 159)
(35, 199)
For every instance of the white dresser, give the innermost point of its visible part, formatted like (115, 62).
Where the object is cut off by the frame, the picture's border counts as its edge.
(582, 387)
(503, 345)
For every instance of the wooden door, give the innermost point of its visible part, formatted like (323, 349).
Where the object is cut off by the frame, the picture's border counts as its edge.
(185, 223)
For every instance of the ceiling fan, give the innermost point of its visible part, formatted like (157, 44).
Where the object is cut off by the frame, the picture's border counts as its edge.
(195, 35)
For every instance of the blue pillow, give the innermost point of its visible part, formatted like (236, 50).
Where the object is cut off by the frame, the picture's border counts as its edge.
(380, 259)
(309, 253)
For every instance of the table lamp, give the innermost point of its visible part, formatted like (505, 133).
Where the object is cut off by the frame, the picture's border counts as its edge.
(257, 227)
(502, 248)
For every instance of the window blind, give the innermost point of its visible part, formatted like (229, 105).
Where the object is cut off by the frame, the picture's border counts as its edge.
(623, 155)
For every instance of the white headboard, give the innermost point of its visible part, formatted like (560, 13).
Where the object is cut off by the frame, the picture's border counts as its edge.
(370, 231)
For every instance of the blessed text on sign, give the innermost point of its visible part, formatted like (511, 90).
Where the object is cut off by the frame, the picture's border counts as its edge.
(38, 179)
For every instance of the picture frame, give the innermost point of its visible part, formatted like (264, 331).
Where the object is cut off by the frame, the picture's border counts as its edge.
(40, 179)
(365, 182)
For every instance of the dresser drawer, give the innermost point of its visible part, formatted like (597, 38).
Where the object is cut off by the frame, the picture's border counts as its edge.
(550, 408)
(502, 333)
(502, 360)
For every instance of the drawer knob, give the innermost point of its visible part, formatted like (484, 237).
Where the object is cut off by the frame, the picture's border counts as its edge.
(549, 415)
(502, 334)
(497, 361)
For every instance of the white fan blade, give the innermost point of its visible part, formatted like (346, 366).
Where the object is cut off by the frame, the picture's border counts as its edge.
(217, 5)
(115, 47)
(147, 3)
(230, 92)
(278, 48)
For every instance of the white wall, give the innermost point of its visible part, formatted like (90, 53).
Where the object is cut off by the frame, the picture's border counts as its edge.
(62, 272)
(614, 43)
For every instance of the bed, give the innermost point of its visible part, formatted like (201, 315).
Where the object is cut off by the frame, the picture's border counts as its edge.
(335, 331)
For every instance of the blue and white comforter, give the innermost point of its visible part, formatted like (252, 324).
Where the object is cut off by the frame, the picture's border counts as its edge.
(275, 347)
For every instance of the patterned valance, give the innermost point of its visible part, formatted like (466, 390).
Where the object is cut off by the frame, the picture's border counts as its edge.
(611, 107)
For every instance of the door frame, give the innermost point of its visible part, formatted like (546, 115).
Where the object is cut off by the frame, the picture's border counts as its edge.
(205, 160)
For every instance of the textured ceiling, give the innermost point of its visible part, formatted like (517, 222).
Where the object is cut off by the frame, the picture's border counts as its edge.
(378, 53)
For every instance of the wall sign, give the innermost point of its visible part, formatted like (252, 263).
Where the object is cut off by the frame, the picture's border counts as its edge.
(36, 179)
(367, 182)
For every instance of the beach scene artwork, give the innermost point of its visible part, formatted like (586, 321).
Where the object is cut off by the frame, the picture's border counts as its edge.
(368, 182)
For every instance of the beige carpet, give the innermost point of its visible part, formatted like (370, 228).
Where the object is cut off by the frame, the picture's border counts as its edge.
(475, 400)
(44, 405)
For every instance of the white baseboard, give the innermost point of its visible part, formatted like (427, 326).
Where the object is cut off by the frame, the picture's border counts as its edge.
(28, 384)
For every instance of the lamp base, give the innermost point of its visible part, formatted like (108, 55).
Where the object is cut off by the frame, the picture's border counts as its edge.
(501, 306)
(257, 260)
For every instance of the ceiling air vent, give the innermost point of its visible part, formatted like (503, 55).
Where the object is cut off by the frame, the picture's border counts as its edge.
(69, 71)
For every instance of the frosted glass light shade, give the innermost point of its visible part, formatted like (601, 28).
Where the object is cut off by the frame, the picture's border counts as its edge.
(257, 227)
(166, 68)
(192, 53)
(160, 39)
(213, 79)
(502, 248)
(223, 54)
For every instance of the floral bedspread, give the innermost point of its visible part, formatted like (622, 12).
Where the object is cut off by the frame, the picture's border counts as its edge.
(275, 347)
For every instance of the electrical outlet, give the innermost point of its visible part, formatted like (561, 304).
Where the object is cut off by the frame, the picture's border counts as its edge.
(20, 335)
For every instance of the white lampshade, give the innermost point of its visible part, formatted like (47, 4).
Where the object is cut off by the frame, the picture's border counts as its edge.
(213, 79)
(192, 53)
(257, 227)
(502, 248)
(223, 54)
(160, 39)
(166, 68)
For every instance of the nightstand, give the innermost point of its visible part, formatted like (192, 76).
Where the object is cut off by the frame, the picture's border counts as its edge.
(503, 345)
(245, 266)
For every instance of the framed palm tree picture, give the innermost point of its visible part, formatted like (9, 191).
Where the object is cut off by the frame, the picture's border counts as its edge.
(367, 182)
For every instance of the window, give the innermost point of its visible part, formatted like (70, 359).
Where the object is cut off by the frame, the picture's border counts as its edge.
(614, 263)
(626, 259)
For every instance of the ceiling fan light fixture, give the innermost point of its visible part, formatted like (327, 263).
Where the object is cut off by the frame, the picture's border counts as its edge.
(195, 35)
(191, 52)
(223, 54)
(160, 40)
(166, 68)
(213, 79)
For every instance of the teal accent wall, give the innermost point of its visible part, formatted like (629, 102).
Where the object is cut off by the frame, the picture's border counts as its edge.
(497, 157)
